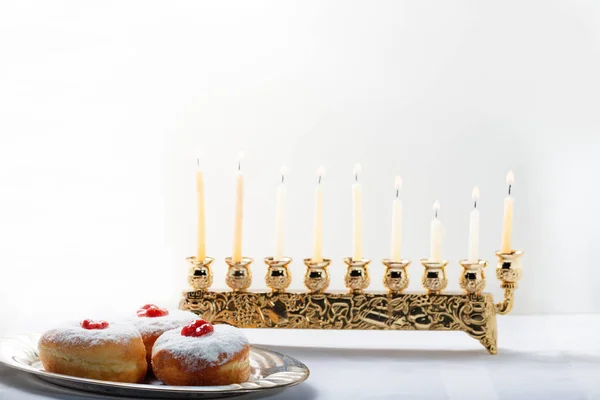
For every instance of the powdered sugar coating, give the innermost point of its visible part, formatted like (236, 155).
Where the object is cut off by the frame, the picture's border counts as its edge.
(215, 348)
(157, 325)
(72, 334)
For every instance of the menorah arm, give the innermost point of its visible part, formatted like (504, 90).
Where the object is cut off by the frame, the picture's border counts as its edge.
(508, 272)
(505, 306)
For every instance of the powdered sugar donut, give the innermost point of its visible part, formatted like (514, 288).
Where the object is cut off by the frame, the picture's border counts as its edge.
(201, 354)
(153, 321)
(95, 350)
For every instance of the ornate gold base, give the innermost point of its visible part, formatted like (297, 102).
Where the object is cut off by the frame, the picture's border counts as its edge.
(470, 313)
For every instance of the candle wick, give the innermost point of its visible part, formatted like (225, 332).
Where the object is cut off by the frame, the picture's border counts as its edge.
(282, 178)
(198, 162)
(319, 181)
(436, 214)
(239, 165)
(356, 176)
(509, 189)
(397, 193)
(475, 204)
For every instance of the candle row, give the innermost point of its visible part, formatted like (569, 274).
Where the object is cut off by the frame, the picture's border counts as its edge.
(357, 249)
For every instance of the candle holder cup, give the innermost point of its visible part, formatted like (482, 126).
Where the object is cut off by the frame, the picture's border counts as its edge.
(200, 276)
(470, 311)
(472, 277)
(316, 278)
(278, 277)
(395, 278)
(434, 277)
(357, 274)
(239, 275)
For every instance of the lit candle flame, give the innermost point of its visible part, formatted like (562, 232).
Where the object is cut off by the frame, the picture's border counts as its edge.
(240, 157)
(320, 174)
(436, 208)
(357, 171)
(200, 155)
(283, 171)
(510, 179)
(398, 185)
(475, 196)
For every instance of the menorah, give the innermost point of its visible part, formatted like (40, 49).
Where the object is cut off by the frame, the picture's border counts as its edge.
(471, 311)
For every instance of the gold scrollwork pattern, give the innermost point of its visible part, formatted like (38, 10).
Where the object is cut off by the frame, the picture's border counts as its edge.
(473, 284)
(508, 275)
(471, 313)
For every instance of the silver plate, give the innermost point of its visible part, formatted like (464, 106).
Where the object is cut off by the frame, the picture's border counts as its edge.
(270, 370)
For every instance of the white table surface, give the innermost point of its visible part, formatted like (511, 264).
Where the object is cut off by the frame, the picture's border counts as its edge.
(546, 357)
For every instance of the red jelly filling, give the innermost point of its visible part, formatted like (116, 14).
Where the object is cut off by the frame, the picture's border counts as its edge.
(197, 328)
(151, 310)
(90, 324)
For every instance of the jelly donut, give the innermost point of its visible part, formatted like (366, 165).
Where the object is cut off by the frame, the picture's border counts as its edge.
(201, 354)
(95, 350)
(152, 321)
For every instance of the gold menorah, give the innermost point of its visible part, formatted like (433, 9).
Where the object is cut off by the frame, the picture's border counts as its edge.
(472, 311)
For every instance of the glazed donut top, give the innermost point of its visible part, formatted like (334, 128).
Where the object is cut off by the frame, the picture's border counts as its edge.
(156, 325)
(214, 348)
(73, 334)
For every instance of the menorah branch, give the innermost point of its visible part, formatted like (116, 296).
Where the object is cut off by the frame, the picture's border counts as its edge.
(505, 306)
(509, 272)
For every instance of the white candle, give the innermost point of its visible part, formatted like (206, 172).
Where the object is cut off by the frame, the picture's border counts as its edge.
(357, 251)
(318, 245)
(201, 233)
(280, 223)
(436, 235)
(239, 212)
(474, 228)
(508, 215)
(397, 223)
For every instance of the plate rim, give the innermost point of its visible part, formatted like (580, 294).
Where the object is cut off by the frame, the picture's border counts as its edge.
(29, 339)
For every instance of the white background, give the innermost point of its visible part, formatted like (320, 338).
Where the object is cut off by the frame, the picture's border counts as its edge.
(104, 107)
